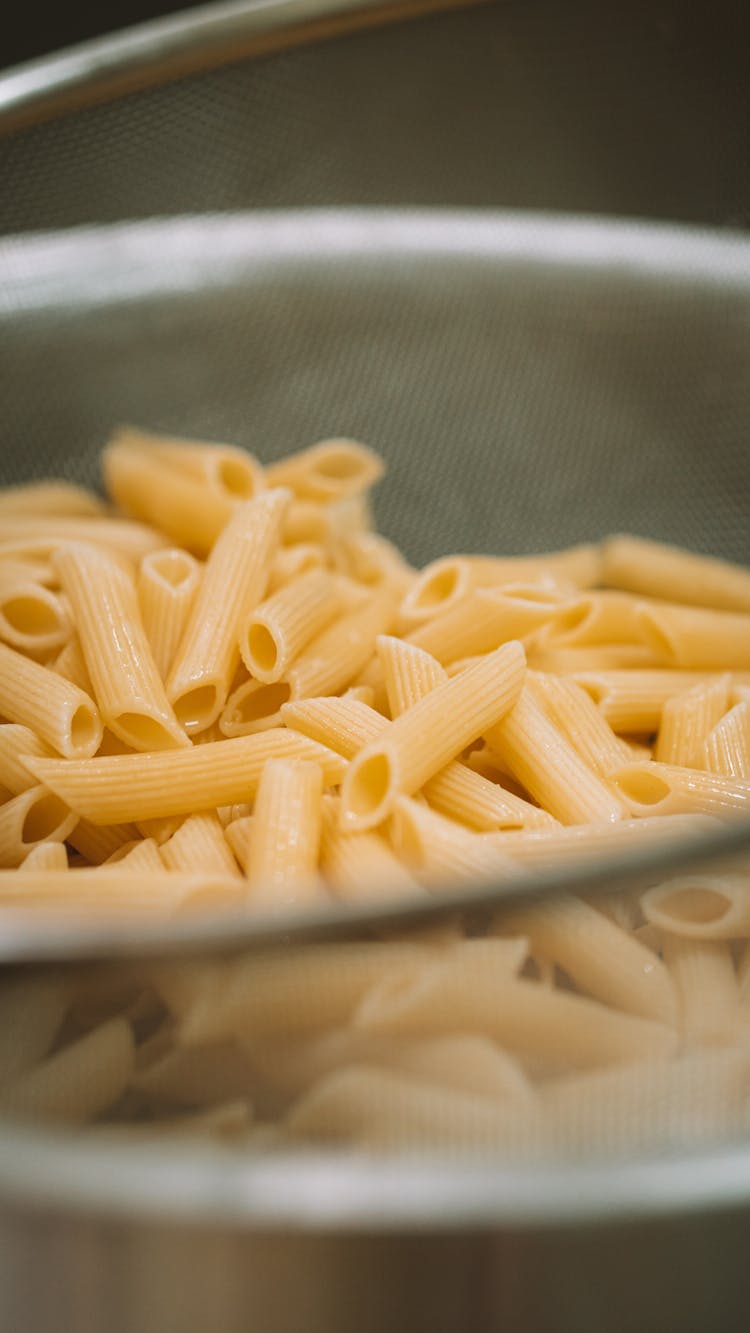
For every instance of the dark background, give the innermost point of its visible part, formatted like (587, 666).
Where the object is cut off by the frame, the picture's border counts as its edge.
(38, 29)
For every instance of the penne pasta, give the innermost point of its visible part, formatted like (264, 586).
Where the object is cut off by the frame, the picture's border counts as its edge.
(34, 816)
(234, 582)
(344, 725)
(60, 714)
(282, 626)
(168, 583)
(199, 844)
(17, 742)
(482, 621)
(239, 837)
(541, 759)
(649, 788)
(32, 618)
(711, 906)
(334, 658)
(46, 856)
(706, 985)
(726, 748)
(579, 844)
(658, 570)
(71, 664)
(408, 672)
(559, 1027)
(327, 471)
(141, 855)
(432, 732)
(97, 842)
(575, 715)
(127, 685)
(122, 788)
(601, 958)
(291, 562)
(633, 700)
(56, 498)
(686, 720)
(444, 853)
(253, 707)
(362, 867)
(39, 536)
(223, 469)
(77, 1083)
(691, 637)
(282, 864)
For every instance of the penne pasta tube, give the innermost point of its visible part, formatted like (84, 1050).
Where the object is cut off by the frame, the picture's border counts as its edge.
(563, 661)
(468, 1064)
(600, 957)
(376, 1108)
(726, 748)
(98, 842)
(127, 685)
(224, 469)
(482, 621)
(649, 788)
(168, 583)
(439, 587)
(542, 760)
(362, 866)
(278, 629)
(557, 1026)
(78, 1082)
(111, 892)
(594, 619)
(327, 471)
(35, 816)
(633, 700)
(711, 906)
(121, 788)
(360, 694)
(32, 618)
(239, 837)
(234, 582)
(32, 1010)
(408, 672)
(16, 742)
(576, 565)
(431, 733)
(686, 720)
(466, 796)
(306, 522)
(54, 708)
(158, 829)
(291, 562)
(199, 844)
(39, 536)
(71, 663)
(697, 638)
(657, 570)
(149, 481)
(706, 985)
(254, 707)
(549, 849)
(46, 856)
(56, 498)
(283, 854)
(141, 855)
(333, 659)
(443, 852)
(291, 991)
(344, 725)
(575, 715)
(372, 560)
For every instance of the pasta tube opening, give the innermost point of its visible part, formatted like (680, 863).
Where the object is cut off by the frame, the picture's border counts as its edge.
(46, 816)
(262, 648)
(641, 786)
(694, 905)
(196, 709)
(173, 566)
(372, 784)
(143, 732)
(254, 707)
(30, 614)
(84, 733)
(437, 588)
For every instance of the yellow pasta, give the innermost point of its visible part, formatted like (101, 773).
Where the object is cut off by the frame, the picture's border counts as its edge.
(141, 855)
(199, 844)
(168, 583)
(56, 498)
(542, 760)
(466, 796)
(284, 850)
(234, 582)
(333, 659)
(573, 712)
(71, 663)
(280, 627)
(120, 788)
(327, 471)
(708, 906)
(32, 618)
(39, 536)
(726, 748)
(291, 562)
(60, 713)
(633, 700)
(362, 867)
(239, 837)
(444, 853)
(707, 989)
(482, 621)
(344, 725)
(46, 856)
(687, 636)
(658, 570)
(649, 788)
(34, 816)
(578, 844)
(127, 686)
(429, 734)
(253, 706)
(16, 742)
(76, 1083)
(686, 720)
(408, 672)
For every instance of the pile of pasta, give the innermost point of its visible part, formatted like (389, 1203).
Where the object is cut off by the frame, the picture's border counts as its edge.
(222, 688)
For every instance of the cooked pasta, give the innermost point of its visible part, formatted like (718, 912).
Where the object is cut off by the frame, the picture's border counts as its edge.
(233, 695)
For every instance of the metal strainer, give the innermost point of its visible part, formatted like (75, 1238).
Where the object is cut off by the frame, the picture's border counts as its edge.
(427, 236)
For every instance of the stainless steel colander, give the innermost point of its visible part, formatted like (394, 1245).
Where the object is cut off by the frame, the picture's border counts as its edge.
(504, 245)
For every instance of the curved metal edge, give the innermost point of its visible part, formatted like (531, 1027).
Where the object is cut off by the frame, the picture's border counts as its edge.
(324, 1192)
(170, 47)
(92, 265)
